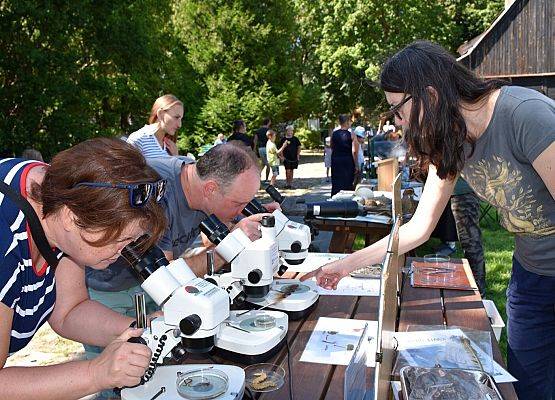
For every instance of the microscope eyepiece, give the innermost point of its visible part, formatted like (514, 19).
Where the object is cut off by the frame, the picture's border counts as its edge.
(143, 263)
(274, 194)
(254, 207)
(214, 229)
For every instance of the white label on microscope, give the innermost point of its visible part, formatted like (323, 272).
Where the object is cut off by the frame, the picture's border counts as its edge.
(316, 210)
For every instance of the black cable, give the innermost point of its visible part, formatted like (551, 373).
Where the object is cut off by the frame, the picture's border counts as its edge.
(154, 360)
(289, 369)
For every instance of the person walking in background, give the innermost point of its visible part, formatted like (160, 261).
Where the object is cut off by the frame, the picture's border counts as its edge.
(239, 133)
(344, 157)
(327, 156)
(291, 154)
(158, 138)
(360, 134)
(260, 140)
(274, 154)
(220, 139)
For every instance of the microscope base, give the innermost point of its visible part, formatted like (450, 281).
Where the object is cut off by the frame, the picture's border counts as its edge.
(296, 305)
(166, 376)
(248, 359)
(253, 335)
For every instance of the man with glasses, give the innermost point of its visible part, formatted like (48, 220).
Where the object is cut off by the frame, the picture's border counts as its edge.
(222, 182)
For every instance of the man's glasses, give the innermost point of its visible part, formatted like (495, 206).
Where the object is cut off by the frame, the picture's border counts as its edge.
(139, 193)
(395, 109)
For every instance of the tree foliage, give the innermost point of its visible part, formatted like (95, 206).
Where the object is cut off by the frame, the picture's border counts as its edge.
(74, 70)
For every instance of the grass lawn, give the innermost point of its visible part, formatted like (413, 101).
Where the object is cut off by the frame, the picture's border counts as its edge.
(498, 247)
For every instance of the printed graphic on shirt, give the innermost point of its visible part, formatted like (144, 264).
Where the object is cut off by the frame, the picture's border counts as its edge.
(501, 184)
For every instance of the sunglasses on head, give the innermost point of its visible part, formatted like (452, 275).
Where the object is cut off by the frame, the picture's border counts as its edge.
(139, 193)
(395, 109)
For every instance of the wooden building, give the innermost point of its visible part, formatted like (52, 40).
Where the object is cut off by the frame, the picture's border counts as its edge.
(518, 46)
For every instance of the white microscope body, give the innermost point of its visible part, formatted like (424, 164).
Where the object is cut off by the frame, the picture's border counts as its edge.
(197, 315)
(253, 267)
(293, 238)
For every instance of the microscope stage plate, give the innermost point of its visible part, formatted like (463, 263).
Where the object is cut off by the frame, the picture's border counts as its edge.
(167, 377)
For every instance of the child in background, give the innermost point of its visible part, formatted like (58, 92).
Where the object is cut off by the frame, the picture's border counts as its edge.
(327, 156)
(273, 154)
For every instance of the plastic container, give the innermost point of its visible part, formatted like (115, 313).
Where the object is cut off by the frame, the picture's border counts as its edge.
(497, 323)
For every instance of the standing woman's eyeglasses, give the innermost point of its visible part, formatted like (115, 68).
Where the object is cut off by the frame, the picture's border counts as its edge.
(395, 109)
(139, 193)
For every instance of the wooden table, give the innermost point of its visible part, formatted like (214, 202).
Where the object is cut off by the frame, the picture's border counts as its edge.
(423, 306)
(346, 230)
(418, 306)
(310, 380)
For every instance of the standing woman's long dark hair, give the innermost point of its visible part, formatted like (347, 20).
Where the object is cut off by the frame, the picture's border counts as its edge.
(438, 85)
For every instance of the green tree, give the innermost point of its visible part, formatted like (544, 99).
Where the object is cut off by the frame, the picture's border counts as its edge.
(241, 50)
(74, 70)
(346, 42)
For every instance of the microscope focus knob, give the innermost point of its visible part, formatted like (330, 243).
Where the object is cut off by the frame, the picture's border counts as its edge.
(190, 324)
(296, 247)
(254, 276)
(268, 221)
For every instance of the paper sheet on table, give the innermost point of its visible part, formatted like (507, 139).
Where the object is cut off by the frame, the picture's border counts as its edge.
(408, 340)
(314, 261)
(330, 340)
(348, 286)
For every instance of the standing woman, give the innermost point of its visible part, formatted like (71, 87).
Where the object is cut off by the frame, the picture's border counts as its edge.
(158, 138)
(501, 139)
(344, 156)
(291, 154)
(93, 200)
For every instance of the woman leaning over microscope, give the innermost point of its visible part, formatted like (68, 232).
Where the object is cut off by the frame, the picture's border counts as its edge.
(86, 220)
(501, 139)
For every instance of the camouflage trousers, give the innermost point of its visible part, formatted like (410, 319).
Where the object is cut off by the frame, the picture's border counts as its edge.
(466, 210)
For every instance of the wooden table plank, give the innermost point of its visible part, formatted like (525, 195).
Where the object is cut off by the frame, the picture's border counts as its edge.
(345, 231)
(367, 309)
(421, 306)
(311, 380)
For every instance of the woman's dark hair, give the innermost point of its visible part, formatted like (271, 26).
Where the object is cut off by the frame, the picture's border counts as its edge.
(103, 210)
(438, 138)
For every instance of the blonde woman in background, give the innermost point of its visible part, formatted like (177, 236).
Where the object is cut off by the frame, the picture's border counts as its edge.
(158, 138)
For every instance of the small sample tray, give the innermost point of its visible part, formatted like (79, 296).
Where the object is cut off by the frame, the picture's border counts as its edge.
(440, 276)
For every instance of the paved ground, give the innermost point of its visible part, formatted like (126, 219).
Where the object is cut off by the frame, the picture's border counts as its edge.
(48, 348)
(309, 182)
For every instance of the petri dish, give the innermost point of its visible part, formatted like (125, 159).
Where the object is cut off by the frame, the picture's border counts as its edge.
(264, 377)
(203, 384)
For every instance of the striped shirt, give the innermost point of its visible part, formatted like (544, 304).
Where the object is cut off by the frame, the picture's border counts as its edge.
(146, 142)
(29, 292)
